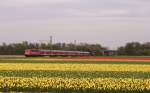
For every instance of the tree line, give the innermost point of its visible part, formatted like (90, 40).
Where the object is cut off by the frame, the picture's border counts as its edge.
(130, 49)
(135, 49)
(19, 48)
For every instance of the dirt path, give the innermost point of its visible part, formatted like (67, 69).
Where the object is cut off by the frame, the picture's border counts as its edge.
(98, 59)
(88, 58)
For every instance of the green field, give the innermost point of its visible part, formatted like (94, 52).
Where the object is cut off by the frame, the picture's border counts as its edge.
(17, 75)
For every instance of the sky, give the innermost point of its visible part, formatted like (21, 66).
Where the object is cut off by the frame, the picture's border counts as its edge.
(111, 23)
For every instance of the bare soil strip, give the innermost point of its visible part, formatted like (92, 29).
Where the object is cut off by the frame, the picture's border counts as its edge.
(85, 58)
(88, 59)
(99, 59)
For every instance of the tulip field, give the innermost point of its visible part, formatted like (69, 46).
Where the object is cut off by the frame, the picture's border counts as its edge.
(74, 76)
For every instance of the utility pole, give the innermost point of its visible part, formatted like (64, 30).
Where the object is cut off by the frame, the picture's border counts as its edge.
(51, 42)
(51, 39)
(75, 45)
(75, 42)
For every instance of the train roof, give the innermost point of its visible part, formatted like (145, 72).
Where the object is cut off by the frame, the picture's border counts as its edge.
(58, 50)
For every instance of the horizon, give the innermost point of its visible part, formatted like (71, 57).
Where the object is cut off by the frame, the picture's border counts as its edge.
(74, 42)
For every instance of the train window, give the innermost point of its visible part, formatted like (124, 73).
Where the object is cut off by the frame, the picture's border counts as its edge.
(35, 50)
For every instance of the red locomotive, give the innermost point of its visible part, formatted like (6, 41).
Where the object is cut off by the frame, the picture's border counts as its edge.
(37, 52)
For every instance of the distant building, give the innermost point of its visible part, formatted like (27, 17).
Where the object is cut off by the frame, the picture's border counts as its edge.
(109, 53)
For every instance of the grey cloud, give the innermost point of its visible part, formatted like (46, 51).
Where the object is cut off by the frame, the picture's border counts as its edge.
(111, 22)
(30, 9)
(22, 3)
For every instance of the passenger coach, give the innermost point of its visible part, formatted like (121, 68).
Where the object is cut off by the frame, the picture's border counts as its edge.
(36, 52)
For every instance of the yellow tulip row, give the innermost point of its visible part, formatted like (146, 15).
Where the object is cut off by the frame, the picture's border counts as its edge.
(74, 67)
(68, 78)
(73, 84)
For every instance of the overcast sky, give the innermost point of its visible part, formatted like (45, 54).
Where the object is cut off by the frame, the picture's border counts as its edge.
(108, 22)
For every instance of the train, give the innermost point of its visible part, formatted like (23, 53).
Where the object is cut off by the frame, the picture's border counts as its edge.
(39, 52)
